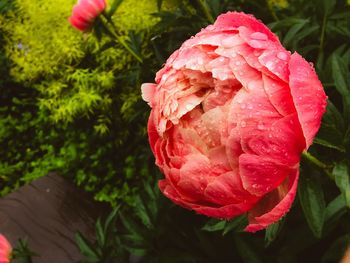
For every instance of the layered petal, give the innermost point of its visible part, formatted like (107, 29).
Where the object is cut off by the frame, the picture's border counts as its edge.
(308, 96)
(274, 205)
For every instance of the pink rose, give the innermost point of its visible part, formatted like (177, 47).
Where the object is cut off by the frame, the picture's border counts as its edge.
(5, 250)
(232, 111)
(85, 12)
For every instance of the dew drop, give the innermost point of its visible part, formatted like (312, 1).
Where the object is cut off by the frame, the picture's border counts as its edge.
(243, 106)
(256, 53)
(270, 64)
(189, 107)
(243, 124)
(210, 27)
(255, 186)
(261, 125)
(238, 63)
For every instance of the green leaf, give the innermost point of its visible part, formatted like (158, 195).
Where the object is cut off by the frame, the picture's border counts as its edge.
(272, 232)
(293, 31)
(152, 204)
(141, 212)
(342, 180)
(331, 133)
(111, 219)
(86, 248)
(100, 233)
(328, 144)
(340, 75)
(335, 209)
(312, 202)
(238, 224)
(246, 252)
(214, 225)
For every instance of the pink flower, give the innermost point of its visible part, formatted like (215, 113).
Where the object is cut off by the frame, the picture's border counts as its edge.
(5, 250)
(85, 12)
(232, 111)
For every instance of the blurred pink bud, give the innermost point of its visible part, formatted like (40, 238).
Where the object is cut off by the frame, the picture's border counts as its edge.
(5, 250)
(85, 12)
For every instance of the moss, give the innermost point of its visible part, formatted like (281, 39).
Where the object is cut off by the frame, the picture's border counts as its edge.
(281, 4)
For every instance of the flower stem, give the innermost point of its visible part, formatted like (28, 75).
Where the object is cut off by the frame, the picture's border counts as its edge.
(316, 162)
(119, 39)
(206, 10)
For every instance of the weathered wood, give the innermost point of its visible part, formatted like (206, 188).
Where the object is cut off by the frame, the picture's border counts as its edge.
(48, 212)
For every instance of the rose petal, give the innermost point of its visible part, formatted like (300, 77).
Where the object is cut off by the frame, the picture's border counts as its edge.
(279, 95)
(147, 91)
(283, 142)
(308, 96)
(274, 205)
(226, 189)
(260, 174)
(237, 19)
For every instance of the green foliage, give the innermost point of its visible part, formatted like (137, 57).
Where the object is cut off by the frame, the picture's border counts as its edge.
(311, 197)
(68, 95)
(22, 252)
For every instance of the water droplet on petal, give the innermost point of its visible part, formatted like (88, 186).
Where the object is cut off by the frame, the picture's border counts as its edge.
(255, 186)
(238, 63)
(261, 125)
(243, 124)
(210, 27)
(256, 52)
(243, 106)
(189, 107)
(270, 64)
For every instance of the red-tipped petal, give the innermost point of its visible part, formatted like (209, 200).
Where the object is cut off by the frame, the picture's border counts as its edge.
(308, 96)
(236, 19)
(260, 174)
(279, 95)
(274, 205)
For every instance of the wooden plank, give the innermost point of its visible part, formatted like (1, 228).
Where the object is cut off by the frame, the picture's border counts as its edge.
(48, 212)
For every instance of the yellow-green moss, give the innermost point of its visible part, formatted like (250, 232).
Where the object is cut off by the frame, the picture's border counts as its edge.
(281, 4)
(46, 52)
